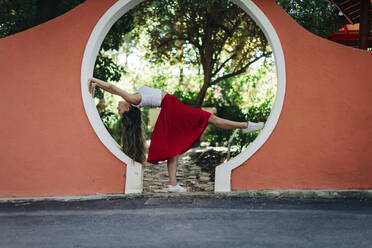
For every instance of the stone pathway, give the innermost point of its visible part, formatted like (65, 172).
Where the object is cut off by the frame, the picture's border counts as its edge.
(189, 175)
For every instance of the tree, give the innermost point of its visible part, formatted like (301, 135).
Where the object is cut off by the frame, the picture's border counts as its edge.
(19, 15)
(216, 34)
(318, 16)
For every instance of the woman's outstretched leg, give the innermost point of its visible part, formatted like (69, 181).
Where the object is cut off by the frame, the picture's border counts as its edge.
(227, 124)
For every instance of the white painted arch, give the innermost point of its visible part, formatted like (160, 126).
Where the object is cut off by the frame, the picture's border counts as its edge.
(134, 173)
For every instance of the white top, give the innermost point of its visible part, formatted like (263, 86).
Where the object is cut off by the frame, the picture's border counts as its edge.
(151, 97)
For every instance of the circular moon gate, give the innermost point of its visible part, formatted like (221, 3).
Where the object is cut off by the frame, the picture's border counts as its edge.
(134, 172)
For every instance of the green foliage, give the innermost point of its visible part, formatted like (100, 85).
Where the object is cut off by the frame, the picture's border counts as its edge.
(64, 6)
(106, 68)
(19, 15)
(218, 137)
(248, 97)
(217, 35)
(318, 16)
(112, 123)
(115, 37)
(16, 17)
(146, 120)
(185, 95)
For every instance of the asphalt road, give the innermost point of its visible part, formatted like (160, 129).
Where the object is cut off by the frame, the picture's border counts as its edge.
(188, 222)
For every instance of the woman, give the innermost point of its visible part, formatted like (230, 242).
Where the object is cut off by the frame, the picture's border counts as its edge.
(177, 128)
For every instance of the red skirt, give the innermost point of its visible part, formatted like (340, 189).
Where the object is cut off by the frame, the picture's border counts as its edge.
(178, 127)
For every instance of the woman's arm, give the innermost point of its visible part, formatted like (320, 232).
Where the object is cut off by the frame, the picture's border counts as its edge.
(130, 98)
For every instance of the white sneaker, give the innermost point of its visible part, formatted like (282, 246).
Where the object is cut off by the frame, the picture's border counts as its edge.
(177, 188)
(253, 126)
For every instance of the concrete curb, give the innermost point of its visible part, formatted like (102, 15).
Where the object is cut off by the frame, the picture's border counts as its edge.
(303, 194)
(320, 194)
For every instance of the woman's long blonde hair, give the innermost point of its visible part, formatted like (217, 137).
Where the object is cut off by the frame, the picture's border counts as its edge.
(132, 135)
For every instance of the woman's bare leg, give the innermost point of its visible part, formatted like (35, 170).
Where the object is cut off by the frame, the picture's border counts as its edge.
(226, 124)
(172, 170)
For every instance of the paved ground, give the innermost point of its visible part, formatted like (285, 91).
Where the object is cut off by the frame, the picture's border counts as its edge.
(195, 171)
(185, 221)
(189, 175)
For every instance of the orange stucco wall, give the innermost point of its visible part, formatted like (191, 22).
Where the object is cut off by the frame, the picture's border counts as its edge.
(47, 146)
(323, 137)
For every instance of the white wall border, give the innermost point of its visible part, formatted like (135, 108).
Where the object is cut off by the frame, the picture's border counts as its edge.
(134, 173)
(223, 171)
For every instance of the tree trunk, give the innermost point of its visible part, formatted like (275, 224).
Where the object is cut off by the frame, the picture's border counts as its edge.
(207, 68)
(200, 98)
(181, 74)
(182, 61)
(207, 63)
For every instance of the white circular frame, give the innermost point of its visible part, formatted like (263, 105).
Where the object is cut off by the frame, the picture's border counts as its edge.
(134, 172)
